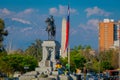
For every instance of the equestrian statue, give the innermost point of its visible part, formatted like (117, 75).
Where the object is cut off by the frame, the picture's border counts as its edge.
(51, 28)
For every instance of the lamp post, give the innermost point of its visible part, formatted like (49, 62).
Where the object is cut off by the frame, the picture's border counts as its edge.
(99, 57)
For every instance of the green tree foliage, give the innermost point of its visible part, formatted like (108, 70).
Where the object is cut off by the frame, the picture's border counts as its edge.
(84, 56)
(3, 33)
(106, 65)
(86, 53)
(35, 50)
(115, 58)
(5, 68)
(3, 53)
(77, 60)
(87, 56)
(109, 59)
(64, 60)
(17, 62)
(95, 66)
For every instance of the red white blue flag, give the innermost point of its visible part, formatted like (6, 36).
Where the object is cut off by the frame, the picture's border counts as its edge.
(67, 29)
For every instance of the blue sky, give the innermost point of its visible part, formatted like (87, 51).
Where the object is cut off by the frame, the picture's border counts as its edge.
(24, 19)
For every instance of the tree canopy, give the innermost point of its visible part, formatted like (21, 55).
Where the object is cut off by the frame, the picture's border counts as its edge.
(17, 62)
(35, 50)
(3, 33)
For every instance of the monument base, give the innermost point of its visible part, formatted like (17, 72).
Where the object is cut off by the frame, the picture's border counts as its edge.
(44, 70)
(45, 63)
(50, 55)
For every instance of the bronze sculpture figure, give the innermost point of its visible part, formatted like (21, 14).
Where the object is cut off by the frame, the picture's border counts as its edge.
(50, 28)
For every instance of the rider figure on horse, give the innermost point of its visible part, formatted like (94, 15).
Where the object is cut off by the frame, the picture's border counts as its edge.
(50, 28)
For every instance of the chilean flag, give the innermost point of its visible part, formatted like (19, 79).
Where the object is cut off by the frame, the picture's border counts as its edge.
(67, 29)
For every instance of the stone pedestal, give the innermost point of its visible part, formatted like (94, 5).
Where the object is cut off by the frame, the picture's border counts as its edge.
(64, 77)
(50, 54)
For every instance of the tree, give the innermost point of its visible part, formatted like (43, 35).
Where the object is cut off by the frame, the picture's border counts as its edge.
(86, 53)
(95, 66)
(106, 65)
(108, 59)
(115, 58)
(5, 68)
(17, 62)
(4, 53)
(3, 33)
(77, 60)
(35, 50)
(64, 60)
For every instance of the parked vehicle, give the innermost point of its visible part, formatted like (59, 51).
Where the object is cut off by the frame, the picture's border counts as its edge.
(113, 74)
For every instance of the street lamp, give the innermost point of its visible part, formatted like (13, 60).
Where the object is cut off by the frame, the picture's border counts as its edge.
(99, 57)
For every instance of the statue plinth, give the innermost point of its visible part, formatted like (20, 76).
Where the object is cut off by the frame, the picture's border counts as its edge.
(50, 54)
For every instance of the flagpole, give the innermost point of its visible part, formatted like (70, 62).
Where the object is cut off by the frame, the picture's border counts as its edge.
(69, 57)
(68, 25)
(69, 34)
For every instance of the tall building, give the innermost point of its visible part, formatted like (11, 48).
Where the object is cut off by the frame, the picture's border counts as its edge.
(63, 38)
(108, 34)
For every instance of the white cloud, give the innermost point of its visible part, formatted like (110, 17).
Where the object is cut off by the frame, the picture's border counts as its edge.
(21, 20)
(53, 11)
(96, 11)
(5, 11)
(26, 29)
(73, 31)
(30, 31)
(73, 11)
(27, 11)
(27, 14)
(91, 24)
(61, 10)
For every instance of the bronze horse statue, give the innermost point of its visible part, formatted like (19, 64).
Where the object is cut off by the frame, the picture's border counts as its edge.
(50, 28)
